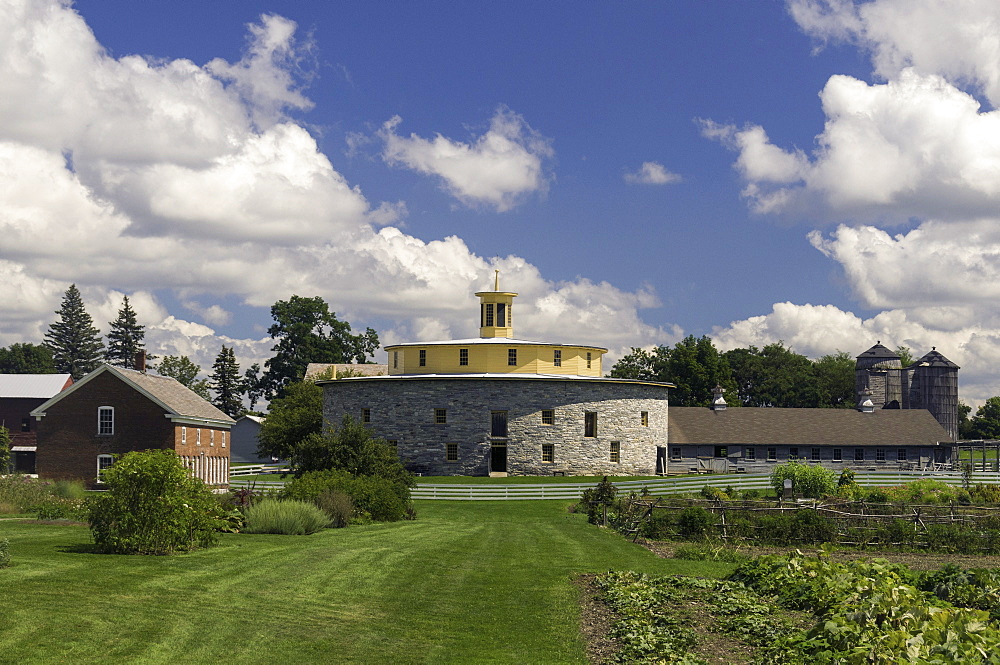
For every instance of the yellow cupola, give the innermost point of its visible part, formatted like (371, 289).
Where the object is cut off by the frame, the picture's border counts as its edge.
(495, 311)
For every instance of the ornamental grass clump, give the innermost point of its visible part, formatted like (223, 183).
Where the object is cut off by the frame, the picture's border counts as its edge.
(289, 517)
(152, 506)
(19, 493)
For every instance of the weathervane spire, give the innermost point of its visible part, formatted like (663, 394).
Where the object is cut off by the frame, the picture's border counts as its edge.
(496, 280)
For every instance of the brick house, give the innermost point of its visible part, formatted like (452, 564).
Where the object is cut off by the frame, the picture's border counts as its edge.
(19, 394)
(112, 411)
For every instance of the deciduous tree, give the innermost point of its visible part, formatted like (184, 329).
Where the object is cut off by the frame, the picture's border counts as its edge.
(186, 372)
(986, 423)
(290, 419)
(74, 341)
(308, 332)
(26, 358)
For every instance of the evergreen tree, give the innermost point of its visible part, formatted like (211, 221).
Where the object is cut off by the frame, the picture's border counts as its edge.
(125, 339)
(226, 383)
(74, 341)
(186, 373)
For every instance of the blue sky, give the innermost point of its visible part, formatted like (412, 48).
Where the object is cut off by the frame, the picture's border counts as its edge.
(825, 173)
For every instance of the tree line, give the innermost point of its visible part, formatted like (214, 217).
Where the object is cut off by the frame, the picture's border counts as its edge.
(305, 331)
(772, 376)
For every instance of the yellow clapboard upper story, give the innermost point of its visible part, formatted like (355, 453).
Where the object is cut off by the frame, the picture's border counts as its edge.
(495, 351)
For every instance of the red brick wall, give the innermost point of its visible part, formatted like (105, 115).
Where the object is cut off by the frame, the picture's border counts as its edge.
(197, 456)
(12, 411)
(68, 444)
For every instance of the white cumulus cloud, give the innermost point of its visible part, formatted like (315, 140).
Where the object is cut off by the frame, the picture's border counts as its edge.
(497, 169)
(652, 173)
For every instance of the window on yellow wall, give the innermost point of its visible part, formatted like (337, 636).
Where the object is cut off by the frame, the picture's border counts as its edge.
(423, 357)
(395, 359)
(512, 357)
(588, 359)
(489, 314)
(557, 358)
(501, 315)
(463, 356)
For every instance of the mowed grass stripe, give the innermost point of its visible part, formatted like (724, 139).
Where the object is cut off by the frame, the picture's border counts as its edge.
(476, 582)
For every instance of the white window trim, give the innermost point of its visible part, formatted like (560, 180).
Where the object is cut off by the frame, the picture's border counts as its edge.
(100, 411)
(211, 437)
(223, 438)
(184, 435)
(111, 463)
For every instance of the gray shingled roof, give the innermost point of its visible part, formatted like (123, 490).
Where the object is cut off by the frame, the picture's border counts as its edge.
(762, 426)
(178, 398)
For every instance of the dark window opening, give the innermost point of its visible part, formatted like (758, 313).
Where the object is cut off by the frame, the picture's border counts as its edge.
(498, 423)
(721, 451)
(590, 423)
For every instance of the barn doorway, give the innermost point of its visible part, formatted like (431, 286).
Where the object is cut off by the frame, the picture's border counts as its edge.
(498, 458)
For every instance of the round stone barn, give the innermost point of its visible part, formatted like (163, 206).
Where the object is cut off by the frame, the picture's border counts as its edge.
(503, 406)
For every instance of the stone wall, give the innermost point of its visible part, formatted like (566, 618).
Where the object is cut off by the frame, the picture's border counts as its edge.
(402, 409)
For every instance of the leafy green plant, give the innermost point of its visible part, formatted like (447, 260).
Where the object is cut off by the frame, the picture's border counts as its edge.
(695, 522)
(4, 450)
(809, 480)
(290, 517)
(699, 552)
(152, 506)
(4, 553)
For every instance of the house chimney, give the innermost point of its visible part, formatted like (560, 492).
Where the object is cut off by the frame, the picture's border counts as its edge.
(718, 402)
(865, 404)
(140, 361)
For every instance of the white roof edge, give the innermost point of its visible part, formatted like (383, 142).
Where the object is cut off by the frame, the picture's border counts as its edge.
(493, 340)
(509, 376)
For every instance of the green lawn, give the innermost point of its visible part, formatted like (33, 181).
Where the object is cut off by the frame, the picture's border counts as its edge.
(468, 582)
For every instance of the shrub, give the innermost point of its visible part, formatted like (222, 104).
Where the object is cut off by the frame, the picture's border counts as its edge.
(337, 505)
(924, 491)
(983, 493)
(715, 494)
(598, 499)
(4, 553)
(69, 489)
(374, 498)
(809, 480)
(152, 506)
(695, 522)
(289, 517)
